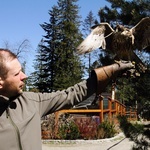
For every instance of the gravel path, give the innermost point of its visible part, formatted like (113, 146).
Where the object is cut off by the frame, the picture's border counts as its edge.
(118, 142)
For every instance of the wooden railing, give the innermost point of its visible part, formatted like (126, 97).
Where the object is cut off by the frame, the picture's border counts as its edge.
(114, 109)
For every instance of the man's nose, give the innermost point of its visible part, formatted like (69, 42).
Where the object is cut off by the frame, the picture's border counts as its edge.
(23, 76)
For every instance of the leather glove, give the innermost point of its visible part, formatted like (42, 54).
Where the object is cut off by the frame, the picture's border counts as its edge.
(109, 73)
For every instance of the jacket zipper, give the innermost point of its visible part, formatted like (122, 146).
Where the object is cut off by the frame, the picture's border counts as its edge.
(16, 129)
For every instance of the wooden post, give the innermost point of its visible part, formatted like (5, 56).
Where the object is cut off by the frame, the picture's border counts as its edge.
(130, 114)
(116, 107)
(113, 91)
(124, 111)
(110, 108)
(101, 108)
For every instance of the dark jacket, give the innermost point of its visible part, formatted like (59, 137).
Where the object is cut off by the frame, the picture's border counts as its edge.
(20, 128)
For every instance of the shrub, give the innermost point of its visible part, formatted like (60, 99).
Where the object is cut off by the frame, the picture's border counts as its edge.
(68, 131)
(87, 127)
(48, 127)
(131, 130)
(106, 130)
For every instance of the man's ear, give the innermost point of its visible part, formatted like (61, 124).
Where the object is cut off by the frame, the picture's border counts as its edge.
(1, 83)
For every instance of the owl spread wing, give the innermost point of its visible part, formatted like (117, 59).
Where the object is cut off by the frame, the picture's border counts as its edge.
(141, 33)
(95, 39)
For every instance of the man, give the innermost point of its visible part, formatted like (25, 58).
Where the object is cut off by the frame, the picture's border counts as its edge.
(20, 112)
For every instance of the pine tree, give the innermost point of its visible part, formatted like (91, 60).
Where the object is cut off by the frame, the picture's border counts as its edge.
(40, 76)
(58, 65)
(51, 44)
(125, 11)
(88, 58)
(128, 13)
(45, 59)
(68, 64)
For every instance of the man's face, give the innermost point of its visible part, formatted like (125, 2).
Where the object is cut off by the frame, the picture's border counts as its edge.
(14, 83)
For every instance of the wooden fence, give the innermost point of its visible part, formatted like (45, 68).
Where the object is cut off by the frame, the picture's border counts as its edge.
(109, 111)
(114, 109)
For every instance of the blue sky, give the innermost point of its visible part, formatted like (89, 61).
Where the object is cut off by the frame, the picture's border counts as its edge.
(20, 19)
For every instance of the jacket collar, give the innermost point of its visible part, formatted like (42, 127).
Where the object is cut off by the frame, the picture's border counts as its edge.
(6, 102)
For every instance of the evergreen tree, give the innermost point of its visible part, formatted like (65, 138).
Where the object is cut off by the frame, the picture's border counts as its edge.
(125, 11)
(89, 57)
(43, 81)
(143, 94)
(128, 13)
(39, 77)
(50, 46)
(126, 91)
(68, 63)
(88, 22)
(57, 65)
